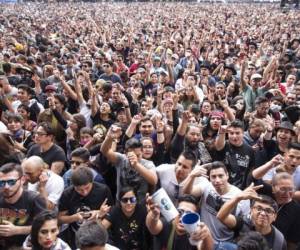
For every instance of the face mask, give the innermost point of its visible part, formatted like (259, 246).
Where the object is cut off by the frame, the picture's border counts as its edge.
(275, 107)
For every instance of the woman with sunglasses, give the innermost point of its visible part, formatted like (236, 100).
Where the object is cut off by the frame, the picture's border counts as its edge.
(44, 232)
(126, 222)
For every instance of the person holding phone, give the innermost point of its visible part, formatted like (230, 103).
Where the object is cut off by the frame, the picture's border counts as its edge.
(82, 201)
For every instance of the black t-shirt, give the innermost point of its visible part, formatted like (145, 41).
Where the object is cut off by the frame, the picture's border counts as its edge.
(128, 233)
(239, 162)
(271, 148)
(54, 154)
(72, 202)
(20, 214)
(97, 120)
(179, 242)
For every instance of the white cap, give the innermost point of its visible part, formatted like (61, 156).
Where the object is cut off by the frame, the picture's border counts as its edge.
(256, 76)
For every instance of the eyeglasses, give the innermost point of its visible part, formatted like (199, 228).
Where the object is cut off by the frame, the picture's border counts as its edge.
(40, 133)
(286, 190)
(77, 163)
(10, 183)
(267, 211)
(131, 200)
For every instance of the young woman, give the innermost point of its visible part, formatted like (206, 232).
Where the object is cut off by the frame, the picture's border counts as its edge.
(126, 222)
(152, 152)
(24, 111)
(44, 233)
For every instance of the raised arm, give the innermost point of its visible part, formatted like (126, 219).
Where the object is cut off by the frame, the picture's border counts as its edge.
(259, 172)
(220, 141)
(243, 69)
(153, 222)
(184, 123)
(224, 214)
(113, 133)
(189, 187)
(132, 126)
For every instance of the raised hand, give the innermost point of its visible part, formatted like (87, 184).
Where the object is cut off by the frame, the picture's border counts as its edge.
(250, 192)
(133, 159)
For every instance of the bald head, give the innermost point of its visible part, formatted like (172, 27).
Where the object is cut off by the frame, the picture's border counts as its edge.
(33, 167)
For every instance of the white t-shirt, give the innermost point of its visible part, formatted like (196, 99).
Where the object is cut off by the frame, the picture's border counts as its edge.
(54, 187)
(168, 181)
(210, 205)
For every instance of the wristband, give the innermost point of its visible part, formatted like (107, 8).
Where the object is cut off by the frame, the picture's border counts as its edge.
(126, 107)
(160, 132)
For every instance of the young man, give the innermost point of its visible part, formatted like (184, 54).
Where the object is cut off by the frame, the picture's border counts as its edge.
(214, 195)
(263, 213)
(93, 236)
(82, 201)
(45, 148)
(173, 235)
(282, 190)
(132, 169)
(289, 163)
(237, 155)
(48, 184)
(80, 157)
(173, 176)
(17, 206)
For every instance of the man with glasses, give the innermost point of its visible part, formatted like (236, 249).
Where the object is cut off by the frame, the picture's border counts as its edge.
(108, 74)
(42, 180)
(284, 191)
(172, 235)
(45, 148)
(17, 207)
(80, 157)
(263, 213)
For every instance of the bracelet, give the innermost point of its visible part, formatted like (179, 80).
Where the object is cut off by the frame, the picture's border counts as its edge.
(126, 107)
(160, 132)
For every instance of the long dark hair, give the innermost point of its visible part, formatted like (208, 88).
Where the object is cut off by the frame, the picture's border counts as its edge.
(37, 223)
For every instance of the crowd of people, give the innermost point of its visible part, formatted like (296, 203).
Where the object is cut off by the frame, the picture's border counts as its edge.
(102, 104)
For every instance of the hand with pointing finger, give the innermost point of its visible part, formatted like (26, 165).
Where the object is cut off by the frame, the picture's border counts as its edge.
(250, 192)
(104, 209)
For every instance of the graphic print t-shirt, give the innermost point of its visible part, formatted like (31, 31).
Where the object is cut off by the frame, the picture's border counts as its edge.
(20, 214)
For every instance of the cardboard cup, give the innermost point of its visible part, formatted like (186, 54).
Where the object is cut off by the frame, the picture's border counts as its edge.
(166, 206)
(190, 222)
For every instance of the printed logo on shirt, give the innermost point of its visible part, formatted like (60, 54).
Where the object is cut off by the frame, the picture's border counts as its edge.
(18, 217)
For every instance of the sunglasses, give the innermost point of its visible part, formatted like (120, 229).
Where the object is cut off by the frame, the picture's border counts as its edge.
(105, 65)
(131, 200)
(10, 183)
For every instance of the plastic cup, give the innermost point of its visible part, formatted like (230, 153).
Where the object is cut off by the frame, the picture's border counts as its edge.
(166, 206)
(190, 222)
